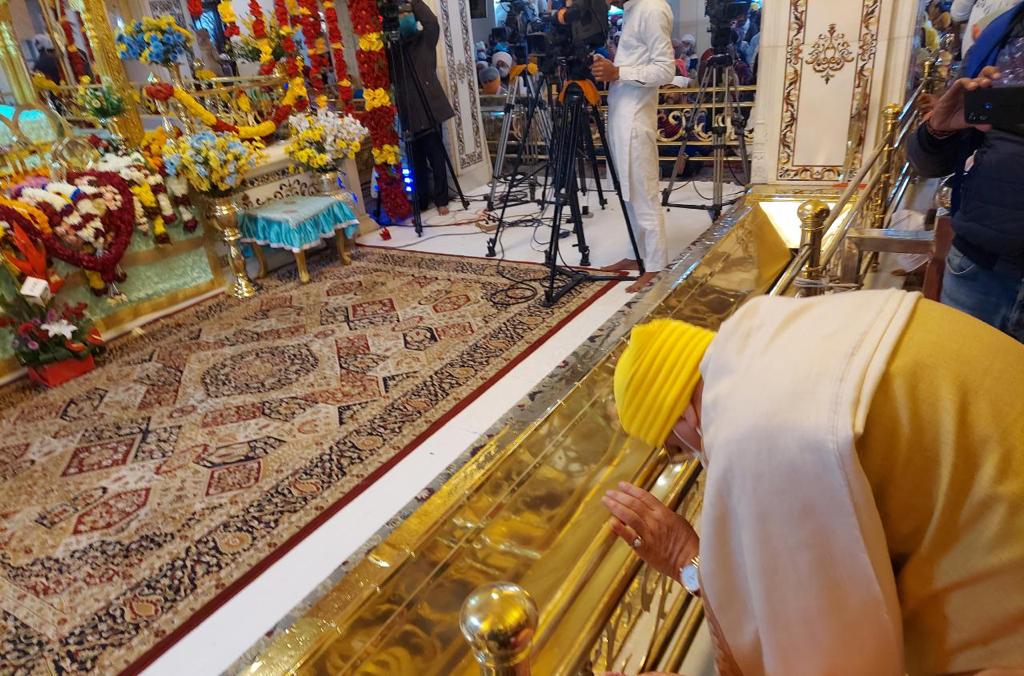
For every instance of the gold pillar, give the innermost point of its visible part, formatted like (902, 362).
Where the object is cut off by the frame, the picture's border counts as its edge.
(813, 215)
(880, 200)
(109, 66)
(13, 61)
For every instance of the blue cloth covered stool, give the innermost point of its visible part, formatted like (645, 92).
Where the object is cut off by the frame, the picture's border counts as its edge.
(296, 224)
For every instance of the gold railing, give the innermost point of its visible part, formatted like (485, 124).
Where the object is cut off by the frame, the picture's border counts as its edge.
(237, 100)
(677, 107)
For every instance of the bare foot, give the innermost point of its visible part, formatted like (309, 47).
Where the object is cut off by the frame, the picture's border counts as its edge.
(639, 285)
(442, 211)
(624, 264)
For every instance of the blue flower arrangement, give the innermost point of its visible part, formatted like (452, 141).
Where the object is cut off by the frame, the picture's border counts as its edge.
(155, 40)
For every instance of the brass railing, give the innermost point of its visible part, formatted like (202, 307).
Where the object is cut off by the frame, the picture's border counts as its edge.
(677, 107)
(237, 100)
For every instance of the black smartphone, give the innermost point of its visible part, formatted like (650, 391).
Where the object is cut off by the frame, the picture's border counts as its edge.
(1001, 107)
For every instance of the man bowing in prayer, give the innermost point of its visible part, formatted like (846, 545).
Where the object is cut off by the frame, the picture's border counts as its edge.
(864, 499)
(643, 62)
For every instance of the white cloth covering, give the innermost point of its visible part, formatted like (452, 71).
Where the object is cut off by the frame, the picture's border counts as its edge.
(795, 569)
(645, 61)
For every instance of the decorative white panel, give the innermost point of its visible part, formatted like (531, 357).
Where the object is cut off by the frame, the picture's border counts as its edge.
(827, 68)
(467, 145)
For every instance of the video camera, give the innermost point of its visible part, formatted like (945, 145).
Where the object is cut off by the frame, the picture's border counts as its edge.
(391, 13)
(722, 14)
(576, 30)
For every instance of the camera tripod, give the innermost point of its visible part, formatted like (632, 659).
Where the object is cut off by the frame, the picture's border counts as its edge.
(524, 99)
(572, 143)
(401, 65)
(718, 78)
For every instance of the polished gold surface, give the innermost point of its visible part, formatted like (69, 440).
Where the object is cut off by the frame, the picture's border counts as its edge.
(813, 214)
(499, 620)
(222, 214)
(12, 61)
(526, 509)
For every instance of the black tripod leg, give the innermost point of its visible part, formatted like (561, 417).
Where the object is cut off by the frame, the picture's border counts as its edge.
(577, 220)
(618, 190)
(531, 111)
(592, 154)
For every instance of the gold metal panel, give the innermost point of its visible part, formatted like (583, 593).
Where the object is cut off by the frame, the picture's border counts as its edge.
(526, 509)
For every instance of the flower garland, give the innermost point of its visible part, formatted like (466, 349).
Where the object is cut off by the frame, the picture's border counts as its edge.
(294, 99)
(78, 66)
(227, 16)
(309, 16)
(195, 9)
(338, 55)
(380, 113)
(259, 33)
(117, 219)
(37, 217)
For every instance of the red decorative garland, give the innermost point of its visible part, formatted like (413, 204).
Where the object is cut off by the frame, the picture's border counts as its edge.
(121, 223)
(373, 69)
(78, 66)
(195, 9)
(309, 17)
(338, 54)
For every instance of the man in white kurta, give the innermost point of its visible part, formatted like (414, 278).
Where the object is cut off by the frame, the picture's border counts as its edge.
(643, 62)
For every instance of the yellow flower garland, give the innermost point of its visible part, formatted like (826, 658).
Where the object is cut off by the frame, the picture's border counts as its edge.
(296, 90)
(376, 98)
(386, 155)
(371, 42)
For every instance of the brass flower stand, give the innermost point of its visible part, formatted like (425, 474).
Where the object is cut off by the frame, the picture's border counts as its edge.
(222, 213)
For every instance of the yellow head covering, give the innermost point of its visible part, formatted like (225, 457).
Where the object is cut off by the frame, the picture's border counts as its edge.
(656, 376)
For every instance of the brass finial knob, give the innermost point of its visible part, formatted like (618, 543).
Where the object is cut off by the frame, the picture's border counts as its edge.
(499, 621)
(813, 213)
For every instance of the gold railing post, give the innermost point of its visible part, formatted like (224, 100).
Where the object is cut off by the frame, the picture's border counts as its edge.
(813, 214)
(109, 66)
(499, 621)
(879, 203)
(13, 62)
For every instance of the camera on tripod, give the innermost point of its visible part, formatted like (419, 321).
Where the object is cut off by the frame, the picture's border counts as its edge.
(576, 30)
(722, 14)
(391, 14)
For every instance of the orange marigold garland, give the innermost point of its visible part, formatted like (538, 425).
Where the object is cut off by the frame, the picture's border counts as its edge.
(380, 113)
(78, 66)
(338, 54)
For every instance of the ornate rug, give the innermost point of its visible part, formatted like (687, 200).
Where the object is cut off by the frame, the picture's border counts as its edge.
(138, 498)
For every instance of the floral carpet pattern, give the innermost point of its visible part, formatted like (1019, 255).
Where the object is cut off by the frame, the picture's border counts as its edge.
(136, 499)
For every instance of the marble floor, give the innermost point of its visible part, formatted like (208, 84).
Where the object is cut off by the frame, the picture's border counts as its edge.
(216, 643)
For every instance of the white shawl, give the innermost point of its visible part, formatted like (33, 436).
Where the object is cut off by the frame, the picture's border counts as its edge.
(794, 565)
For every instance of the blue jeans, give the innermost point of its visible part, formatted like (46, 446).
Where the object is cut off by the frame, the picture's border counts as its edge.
(996, 297)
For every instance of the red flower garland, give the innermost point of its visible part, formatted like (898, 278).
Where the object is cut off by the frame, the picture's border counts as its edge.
(310, 19)
(338, 54)
(195, 9)
(78, 66)
(120, 223)
(259, 26)
(373, 69)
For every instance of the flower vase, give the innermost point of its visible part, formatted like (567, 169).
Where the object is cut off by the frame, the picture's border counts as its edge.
(329, 185)
(222, 213)
(59, 372)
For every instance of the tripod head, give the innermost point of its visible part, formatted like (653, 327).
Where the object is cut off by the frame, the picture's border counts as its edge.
(722, 15)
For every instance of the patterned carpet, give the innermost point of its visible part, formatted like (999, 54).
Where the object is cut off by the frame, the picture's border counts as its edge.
(138, 498)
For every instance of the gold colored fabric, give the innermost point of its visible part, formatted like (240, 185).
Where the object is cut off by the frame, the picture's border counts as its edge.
(134, 495)
(656, 375)
(943, 450)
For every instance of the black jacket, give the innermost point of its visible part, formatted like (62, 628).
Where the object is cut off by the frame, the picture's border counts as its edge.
(419, 114)
(988, 222)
